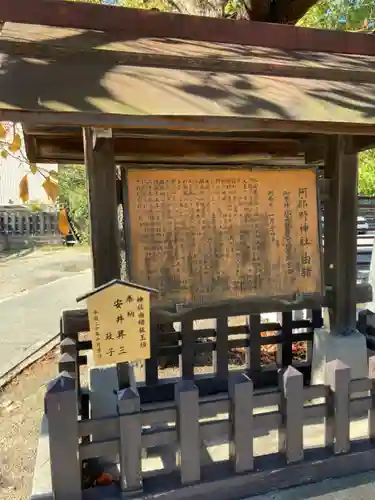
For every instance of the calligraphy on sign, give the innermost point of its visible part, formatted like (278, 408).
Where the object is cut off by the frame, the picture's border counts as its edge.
(201, 235)
(119, 318)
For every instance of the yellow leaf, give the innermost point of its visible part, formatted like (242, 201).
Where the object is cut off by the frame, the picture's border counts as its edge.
(16, 144)
(4, 153)
(63, 223)
(24, 189)
(51, 187)
(33, 168)
(3, 131)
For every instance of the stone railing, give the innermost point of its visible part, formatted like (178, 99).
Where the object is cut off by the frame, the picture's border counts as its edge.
(220, 441)
(22, 228)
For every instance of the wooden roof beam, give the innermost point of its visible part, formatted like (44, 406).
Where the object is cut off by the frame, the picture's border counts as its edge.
(147, 149)
(146, 23)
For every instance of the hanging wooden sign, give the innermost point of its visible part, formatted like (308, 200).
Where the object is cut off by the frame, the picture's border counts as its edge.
(119, 318)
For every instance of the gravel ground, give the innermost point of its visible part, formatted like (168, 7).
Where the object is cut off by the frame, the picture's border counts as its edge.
(21, 401)
(28, 271)
(21, 406)
(21, 409)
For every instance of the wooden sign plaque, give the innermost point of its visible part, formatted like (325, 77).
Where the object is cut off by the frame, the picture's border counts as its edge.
(202, 236)
(119, 318)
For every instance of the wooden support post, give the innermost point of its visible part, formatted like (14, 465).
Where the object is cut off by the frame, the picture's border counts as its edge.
(220, 355)
(340, 235)
(105, 234)
(101, 176)
(187, 356)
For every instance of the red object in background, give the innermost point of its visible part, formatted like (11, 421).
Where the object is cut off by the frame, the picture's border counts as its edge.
(104, 479)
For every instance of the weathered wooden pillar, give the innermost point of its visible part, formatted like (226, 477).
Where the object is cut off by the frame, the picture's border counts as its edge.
(340, 234)
(101, 176)
(340, 339)
(105, 236)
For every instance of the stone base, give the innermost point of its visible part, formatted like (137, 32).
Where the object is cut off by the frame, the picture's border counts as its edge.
(351, 350)
(103, 386)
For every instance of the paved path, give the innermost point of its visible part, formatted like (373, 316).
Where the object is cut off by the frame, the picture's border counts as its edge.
(356, 487)
(30, 319)
(31, 270)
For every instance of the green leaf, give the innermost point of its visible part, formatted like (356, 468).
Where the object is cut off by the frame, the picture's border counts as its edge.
(33, 168)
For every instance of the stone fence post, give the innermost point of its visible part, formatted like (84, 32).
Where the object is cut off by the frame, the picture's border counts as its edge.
(62, 415)
(241, 423)
(291, 408)
(187, 403)
(129, 407)
(338, 407)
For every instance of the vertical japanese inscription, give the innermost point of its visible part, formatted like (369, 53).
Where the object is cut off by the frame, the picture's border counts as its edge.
(207, 235)
(305, 241)
(288, 238)
(96, 328)
(119, 319)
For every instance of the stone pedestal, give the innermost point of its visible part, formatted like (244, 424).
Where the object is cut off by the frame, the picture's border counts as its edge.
(103, 386)
(351, 350)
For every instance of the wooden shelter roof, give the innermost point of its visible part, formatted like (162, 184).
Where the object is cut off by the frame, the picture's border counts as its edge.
(57, 79)
(82, 77)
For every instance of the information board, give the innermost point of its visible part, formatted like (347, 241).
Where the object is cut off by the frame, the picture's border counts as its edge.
(119, 318)
(202, 236)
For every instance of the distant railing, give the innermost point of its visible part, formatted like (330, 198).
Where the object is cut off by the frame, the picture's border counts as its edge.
(366, 208)
(20, 227)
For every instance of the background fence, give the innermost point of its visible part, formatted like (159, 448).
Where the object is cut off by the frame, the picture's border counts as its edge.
(208, 355)
(19, 227)
(366, 209)
(189, 423)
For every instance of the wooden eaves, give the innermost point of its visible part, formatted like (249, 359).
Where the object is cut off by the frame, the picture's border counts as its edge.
(173, 85)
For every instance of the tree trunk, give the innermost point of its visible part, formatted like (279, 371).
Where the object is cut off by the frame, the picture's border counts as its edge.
(271, 11)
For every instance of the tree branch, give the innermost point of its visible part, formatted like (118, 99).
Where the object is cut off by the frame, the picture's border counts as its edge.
(277, 11)
(174, 6)
(213, 8)
(290, 12)
(271, 11)
(258, 10)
